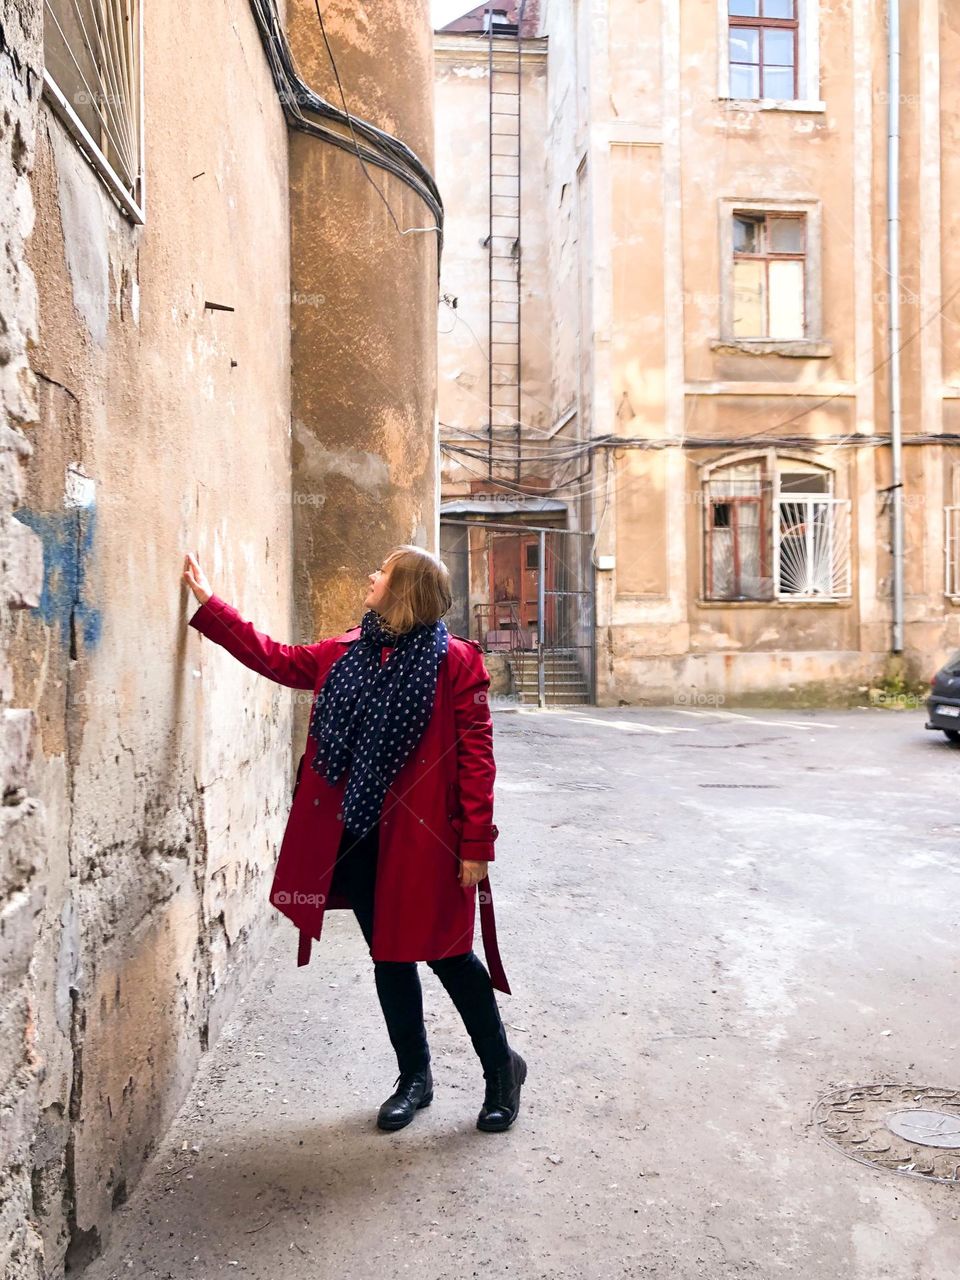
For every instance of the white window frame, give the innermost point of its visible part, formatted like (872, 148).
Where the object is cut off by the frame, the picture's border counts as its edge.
(952, 551)
(840, 526)
(812, 343)
(131, 200)
(808, 72)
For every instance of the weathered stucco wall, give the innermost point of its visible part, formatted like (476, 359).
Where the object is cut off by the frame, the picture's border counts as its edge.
(364, 315)
(22, 818)
(161, 764)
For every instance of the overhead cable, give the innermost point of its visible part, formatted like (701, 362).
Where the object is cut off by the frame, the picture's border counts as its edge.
(370, 144)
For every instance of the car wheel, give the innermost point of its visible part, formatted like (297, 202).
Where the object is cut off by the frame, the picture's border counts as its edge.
(953, 734)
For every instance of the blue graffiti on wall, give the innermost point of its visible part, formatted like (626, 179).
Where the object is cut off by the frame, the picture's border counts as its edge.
(67, 538)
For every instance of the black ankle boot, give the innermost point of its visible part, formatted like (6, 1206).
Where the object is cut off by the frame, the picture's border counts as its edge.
(501, 1101)
(414, 1090)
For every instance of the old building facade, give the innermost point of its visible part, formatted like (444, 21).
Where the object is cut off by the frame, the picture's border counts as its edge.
(201, 354)
(711, 307)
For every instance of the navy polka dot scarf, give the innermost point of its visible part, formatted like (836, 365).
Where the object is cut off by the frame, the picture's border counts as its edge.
(368, 718)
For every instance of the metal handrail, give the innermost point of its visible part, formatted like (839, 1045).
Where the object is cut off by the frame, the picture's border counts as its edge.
(514, 627)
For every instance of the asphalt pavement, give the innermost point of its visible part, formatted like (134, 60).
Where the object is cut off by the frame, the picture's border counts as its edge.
(710, 919)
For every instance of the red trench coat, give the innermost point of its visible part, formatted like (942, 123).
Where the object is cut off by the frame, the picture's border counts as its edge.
(438, 810)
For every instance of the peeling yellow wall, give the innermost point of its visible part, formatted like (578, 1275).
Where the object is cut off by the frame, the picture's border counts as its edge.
(363, 316)
(172, 421)
(160, 780)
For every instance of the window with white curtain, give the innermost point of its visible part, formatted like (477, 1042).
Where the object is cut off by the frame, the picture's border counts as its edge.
(737, 550)
(93, 78)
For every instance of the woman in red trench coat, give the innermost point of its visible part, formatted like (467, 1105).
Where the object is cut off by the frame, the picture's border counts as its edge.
(412, 878)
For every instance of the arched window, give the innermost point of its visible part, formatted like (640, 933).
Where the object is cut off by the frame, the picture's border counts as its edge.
(773, 529)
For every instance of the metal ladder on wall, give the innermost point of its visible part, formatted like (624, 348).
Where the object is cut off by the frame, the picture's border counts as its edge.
(503, 62)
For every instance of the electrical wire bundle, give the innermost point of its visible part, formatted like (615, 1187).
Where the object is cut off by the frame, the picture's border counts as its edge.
(378, 147)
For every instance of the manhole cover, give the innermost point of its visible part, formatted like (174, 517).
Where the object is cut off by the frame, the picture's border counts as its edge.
(927, 1128)
(902, 1128)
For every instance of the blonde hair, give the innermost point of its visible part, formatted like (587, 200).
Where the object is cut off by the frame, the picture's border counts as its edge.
(418, 589)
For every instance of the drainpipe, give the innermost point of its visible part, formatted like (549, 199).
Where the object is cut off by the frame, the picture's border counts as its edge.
(541, 616)
(893, 263)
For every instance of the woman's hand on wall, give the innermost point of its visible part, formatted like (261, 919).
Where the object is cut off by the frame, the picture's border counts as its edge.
(196, 579)
(472, 873)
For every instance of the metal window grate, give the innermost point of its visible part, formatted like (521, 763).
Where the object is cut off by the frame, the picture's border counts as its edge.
(93, 79)
(812, 548)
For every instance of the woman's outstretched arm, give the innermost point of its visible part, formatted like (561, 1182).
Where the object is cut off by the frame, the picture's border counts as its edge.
(294, 665)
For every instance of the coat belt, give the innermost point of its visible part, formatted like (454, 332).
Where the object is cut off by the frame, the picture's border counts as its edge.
(488, 931)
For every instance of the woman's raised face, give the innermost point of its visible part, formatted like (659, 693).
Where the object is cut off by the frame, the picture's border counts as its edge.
(378, 588)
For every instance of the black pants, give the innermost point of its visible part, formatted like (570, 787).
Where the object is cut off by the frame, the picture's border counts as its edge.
(398, 982)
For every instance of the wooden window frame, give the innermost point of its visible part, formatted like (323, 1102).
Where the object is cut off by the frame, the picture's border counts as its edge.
(807, 64)
(767, 256)
(812, 343)
(763, 24)
(759, 500)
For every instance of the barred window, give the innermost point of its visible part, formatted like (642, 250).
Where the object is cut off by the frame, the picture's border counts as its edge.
(93, 80)
(773, 530)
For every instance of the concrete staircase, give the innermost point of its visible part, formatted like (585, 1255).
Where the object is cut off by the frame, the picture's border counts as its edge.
(563, 684)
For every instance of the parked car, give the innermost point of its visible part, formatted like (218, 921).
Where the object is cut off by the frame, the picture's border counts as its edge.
(943, 704)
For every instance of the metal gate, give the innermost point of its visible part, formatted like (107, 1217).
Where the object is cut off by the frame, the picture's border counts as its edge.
(527, 592)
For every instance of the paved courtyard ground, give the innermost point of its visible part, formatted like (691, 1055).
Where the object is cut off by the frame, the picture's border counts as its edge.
(709, 919)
